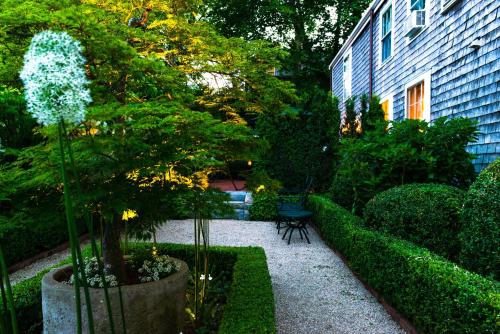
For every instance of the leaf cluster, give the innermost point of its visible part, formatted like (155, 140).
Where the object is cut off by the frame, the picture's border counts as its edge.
(408, 151)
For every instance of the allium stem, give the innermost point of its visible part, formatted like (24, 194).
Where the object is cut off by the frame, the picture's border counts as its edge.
(76, 255)
(8, 293)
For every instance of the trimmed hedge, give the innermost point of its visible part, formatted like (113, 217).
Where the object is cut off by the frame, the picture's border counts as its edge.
(480, 235)
(434, 294)
(22, 240)
(425, 214)
(249, 307)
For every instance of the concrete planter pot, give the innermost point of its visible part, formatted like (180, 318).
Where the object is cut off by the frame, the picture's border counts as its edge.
(154, 307)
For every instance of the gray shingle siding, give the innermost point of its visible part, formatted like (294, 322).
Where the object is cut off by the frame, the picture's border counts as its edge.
(464, 82)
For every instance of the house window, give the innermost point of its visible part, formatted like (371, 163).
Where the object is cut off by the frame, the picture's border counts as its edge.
(417, 5)
(386, 33)
(415, 103)
(387, 107)
(418, 98)
(347, 75)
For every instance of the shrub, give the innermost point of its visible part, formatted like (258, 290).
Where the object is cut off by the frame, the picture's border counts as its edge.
(23, 237)
(480, 235)
(264, 206)
(249, 307)
(302, 140)
(434, 294)
(408, 152)
(425, 214)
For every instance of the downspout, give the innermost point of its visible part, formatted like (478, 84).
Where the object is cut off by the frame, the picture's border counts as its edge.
(370, 79)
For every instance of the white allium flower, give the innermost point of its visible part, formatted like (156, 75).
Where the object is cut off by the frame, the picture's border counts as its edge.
(54, 78)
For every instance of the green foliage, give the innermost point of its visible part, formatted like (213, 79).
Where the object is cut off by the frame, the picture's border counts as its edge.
(16, 125)
(264, 206)
(371, 115)
(425, 214)
(303, 142)
(350, 123)
(409, 151)
(434, 294)
(249, 307)
(23, 237)
(481, 224)
(157, 128)
(312, 31)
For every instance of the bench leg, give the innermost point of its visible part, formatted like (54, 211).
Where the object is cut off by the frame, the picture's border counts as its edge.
(290, 236)
(307, 238)
(286, 231)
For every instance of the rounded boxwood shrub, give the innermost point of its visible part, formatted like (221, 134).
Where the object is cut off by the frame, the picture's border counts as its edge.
(425, 214)
(264, 206)
(480, 236)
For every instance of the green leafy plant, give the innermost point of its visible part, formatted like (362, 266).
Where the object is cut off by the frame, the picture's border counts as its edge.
(302, 141)
(409, 151)
(264, 206)
(480, 216)
(425, 214)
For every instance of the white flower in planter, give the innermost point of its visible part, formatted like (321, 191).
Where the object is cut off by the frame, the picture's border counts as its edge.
(54, 78)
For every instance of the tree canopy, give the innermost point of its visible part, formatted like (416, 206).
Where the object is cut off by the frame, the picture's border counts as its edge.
(312, 31)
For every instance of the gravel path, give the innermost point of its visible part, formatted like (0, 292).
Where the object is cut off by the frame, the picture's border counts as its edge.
(36, 267)
(314, 290)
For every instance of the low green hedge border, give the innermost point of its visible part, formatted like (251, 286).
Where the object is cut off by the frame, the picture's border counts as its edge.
(249, 307)
(20, 241)
(436, 295)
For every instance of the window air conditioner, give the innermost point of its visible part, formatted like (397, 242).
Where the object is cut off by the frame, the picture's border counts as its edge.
(416, 22)
(446, 5)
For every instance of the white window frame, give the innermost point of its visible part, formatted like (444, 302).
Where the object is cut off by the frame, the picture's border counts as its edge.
(427, 18)
(446, 8)
(426, 78)
(390, 4)
(347, 76)
(389, 98)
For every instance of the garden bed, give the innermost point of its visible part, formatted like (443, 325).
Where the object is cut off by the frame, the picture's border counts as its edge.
(244, 296)
(436, 295)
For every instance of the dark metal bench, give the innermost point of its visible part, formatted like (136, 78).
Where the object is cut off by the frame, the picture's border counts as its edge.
(292, 214)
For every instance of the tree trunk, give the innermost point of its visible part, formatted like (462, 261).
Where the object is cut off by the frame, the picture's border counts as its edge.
(112, 252)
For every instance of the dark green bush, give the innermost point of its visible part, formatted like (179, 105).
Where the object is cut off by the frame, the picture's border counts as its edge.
(434, 294)
(264, 206)
(302, 140)
(23, 237)
(425, 214)
(408, 152)
(249, 307)
(480, 235)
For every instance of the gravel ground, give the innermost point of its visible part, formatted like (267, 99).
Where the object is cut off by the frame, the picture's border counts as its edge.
(36, 267)
(314, 290)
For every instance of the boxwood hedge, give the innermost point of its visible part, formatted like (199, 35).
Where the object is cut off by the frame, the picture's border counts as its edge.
(425, 214)
(480, 235)
(436, 295)
(249, 307)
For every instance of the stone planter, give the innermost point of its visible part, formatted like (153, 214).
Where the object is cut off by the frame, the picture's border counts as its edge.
(155, 307)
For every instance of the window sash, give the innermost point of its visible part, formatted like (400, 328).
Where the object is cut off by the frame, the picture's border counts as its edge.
(387, 21)
(417, 5)
(347, 67)
(386, 47)
(415, 104)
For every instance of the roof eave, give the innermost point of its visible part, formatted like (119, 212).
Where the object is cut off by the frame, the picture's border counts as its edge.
(357, 30)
